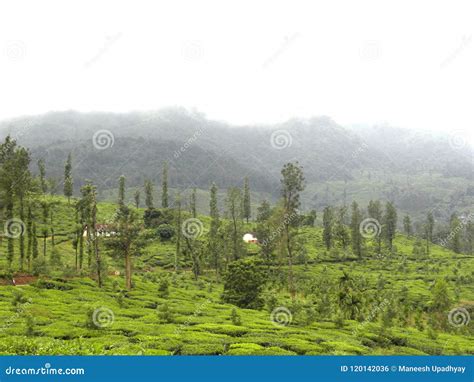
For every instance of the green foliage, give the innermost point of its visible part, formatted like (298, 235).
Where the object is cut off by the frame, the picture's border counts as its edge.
(68, 181)
(328, 227)
(153, 218)
(164, 186)
(164, 314)
(30, 325)
(165, 232)
(163, 288)
(235, 317)
(18, 299)
(243, 284)
(246, 206)
(390, 223)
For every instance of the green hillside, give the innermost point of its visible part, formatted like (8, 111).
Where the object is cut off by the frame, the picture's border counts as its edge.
(174, 313)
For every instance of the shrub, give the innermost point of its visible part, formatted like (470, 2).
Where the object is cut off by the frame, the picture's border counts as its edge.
(154, 218)
(271, 302)
(18, 298)
(49, 284)
(39, 267)
(235, 317)
(30, 325)
(120, 298)
(165, 232)
(89, 323)
(243, 284)
(163, 288)
(164, 314)
(55, 258)
(151, 218)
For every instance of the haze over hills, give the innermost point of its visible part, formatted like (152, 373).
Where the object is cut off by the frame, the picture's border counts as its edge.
(419, 171)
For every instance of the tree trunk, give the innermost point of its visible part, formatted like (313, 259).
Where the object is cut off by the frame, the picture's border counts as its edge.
(81, 248)
(178, 239)
(96, 253)
(22, 237)
(234, 235)
(128, 270)
(291, 285)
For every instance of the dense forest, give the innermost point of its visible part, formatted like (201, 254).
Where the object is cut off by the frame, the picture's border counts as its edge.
(159, 264)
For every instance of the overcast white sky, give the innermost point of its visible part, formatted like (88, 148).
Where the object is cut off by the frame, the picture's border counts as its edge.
(405, 63)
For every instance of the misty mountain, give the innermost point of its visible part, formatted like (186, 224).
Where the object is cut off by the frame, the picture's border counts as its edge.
(200, 151)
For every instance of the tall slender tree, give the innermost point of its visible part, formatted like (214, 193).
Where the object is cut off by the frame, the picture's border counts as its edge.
(178, 232)
(356, 218)
(192, 203)
(234, 213)
(374, 210)
(127, 243)
(149, 194)
(292, 183)
(164, 186)
(246, 201)
(470, 237)
(34, 241)
(328, 227)
(89, 208)
(68, 181)
(137, 198)
(213, 243)
(29, 234)
(81, 230)
(45, 208)
(340, 230)
(455, 227)
(407, 228)
(121, 191)
(42, 176)
(390, 220)
(21, 188)
(429, 228)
